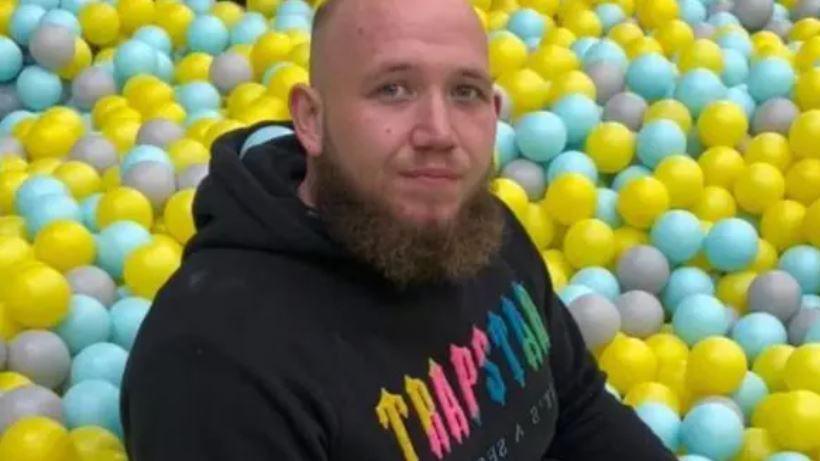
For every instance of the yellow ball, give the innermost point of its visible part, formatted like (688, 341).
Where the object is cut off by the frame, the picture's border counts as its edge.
(668, 348)
(557, 276)
(167, 111)
(766, 258)
(760, 186)
(722, 123)
(37, 438)
(175, 19)
(807, 90)
(149, 267)
(628, 362)
(589, 242)
(803, 181)
(804, 133)
(560, 36)
(771, 148)
(625, 32)
(808, 53)
(124, 204)
(10, 181)
(194, 66)
(146, 92)
(526, 89)
(65, 245)
(733, 288)
(66, 116)
(652, 392)
(198, 130)
(9, 328)
(265, 108)
(683, 179)
(782, 224)
(269, 49)
(701, 53)
(497, 20)
(81, 178)
(721, 166)
(641, 201)
(185, 152)
(539, 226)
(574, 81)
(507, 53)
(571, 198)
(716, 365)
(228, 12)
(513, 195)
(611, 145)
(803, 368)
(771, 365)
(643, 45)
(135, 14)
(22, 127)
(765, 39)
(6, 10)
(122, 133)
(81, 60)
(242, 96)
(10, 380)
(758, 445)
(811, 224)
(36, 295)
(669, 109)
(94, 443)
(804, 29)
(551, 61)
(792, 419)
(584, 23)
(654, 14)
(12, 226)
(44, 166)
(48, 139)
(626, 238)
(545, 7)
(13, 250)
(674, 35)
(300, 55)
(104, 106)
(558, 259)
(13, 163)
(100, 23)
(219, 128)
(178, 215)
(266, 7)
(111, 178)
(284, 79)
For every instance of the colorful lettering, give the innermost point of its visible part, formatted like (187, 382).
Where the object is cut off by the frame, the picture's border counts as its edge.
(481, 345)
(495, 383)
(467, 376)
(390, 411)
(531, 312)
(429, 417)
(529, 343)
(453, 413)
(499, 334)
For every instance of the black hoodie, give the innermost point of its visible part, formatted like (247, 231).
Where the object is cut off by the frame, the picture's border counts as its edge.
(272, 343)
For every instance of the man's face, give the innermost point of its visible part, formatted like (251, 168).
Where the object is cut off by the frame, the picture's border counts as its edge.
(408, 105)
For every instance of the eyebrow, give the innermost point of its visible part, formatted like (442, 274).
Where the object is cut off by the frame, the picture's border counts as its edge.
(397, 67)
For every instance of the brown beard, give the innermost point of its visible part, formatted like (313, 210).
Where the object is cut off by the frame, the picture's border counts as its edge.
(407, 254)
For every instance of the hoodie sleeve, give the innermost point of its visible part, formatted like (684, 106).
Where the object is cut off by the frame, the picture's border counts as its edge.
(592, 425)
(186, 400)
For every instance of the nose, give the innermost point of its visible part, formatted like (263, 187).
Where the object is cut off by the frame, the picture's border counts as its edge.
(434, 128)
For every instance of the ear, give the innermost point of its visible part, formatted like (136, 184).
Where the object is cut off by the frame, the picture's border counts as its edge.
(306, 110)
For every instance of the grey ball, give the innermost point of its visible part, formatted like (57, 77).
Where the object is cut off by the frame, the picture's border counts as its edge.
(753, 14)
(505, 113)
(725, 401)
(10, 145)
(704, 30)
(40, 355)
(720, 6)
(644, 268)
(190, 177)
(775, 292)
(641, 313)
(93, 282)
(90, 85)
(781, 27)
(27, 401)
(528, 175)
(155, 180)
(776, 115)
(597, 318)
(95, 150)
(806, 9)
(627, 108)
(9, 100)
(799, 325)
(609, 79)
(52, 46)
(159, 132)
(3, 355)
(229, 70)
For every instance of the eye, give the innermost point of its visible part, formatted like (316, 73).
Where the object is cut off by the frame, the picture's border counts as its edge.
(393, 91)
(468, 93)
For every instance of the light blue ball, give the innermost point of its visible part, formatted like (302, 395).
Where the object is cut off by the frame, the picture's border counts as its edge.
(780, 11)
(610, 14)
(39, 88)
(88, 211)
(684, 282)
(813, 334)
(200, 7)
(752, 391)
(50, 208)
(165, 68)
(606, 50)
(12, 119)
(600, 280)
(712, 430)
(582, 45)
(144, 153)
(692, 11)
(693, 458)
(628, 175)
(208, 34)
(663, 422)
(505, 144)
(46, 4)
(526, 23)
(134, 57)
(195, 116)
(740, 96)
(572, 292)
(24, 21)
(35, 187)
(723, 18)
(731, 244)
(658, 140)
(126, 317)
(248, 29)
(607, 208)
(678, 234)
(803, 263)
(65, 18)
(572, 162)
(651, 76)
(93, 403)
(699, 316)
(104, 361)
(697, 88)
(124, 292)
(87, 323)
(540, 136)
(264, 135)
(156, 37)
(735, 68)
(287, 22)
(810, 302)
(770, 78)
(197, 96)
(74, 6)
(295, 7)
(116, 242)
(735, 41)
(756, 331)
(579, 114)
(788, 456)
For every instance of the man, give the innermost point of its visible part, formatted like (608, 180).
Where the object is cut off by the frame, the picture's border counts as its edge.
(354, 292)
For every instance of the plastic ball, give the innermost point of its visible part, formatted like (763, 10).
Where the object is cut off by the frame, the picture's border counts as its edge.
(64, 245)
(792, 419)
(24, 21)
(41, 356)
(88, 211)
(527, 174)
(28, 401)
(643, 268)
(93, 403)
(207, 34)
(599, 280)
(683, 178)
(36, 295)
(154, 180)
(811, 224)
(641, 201)
(802, 370)
(572, 162)
(229, 70)
(607, 209)
(96, 151)
(722, 123)
(579, 115)
(776, 115)
(37, 438)
(803, 263)
(771, 364)
(526, 23)
(753, 14)
(611, 146)
(571, 198)
(731, 244)
(651, 76)
(124, 203)
(572, 292)
(627, 363)
(712, 430)
(641, 313)
(589, 242)
(104, 361)
(736, 68)
(678, 235)
(684, 282)
(197, 96)
(803, 181)
(782, 224)
(93, 442)
(659, 139)
(663, 422)
(93, 282)
(668, 348)
(116, 242)
(34, 189)
(626, 108)
(12, 58)
(757, 331)
(697, 88)
(126, 317)
(608, 79)
(771, 148)
(52, 46)
(800, 324)
(159, 133)
(148, 268)
(803, 132)
(178, 215)
(87, 323)
(100, 23)
(699, 316)
(788, 456)
(770, 78)
(38, 88)
(597, 318)
(526, 89)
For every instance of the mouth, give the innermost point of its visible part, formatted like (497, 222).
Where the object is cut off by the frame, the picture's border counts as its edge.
(433, 176)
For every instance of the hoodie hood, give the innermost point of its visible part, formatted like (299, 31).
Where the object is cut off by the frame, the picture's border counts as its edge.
(249, 200)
